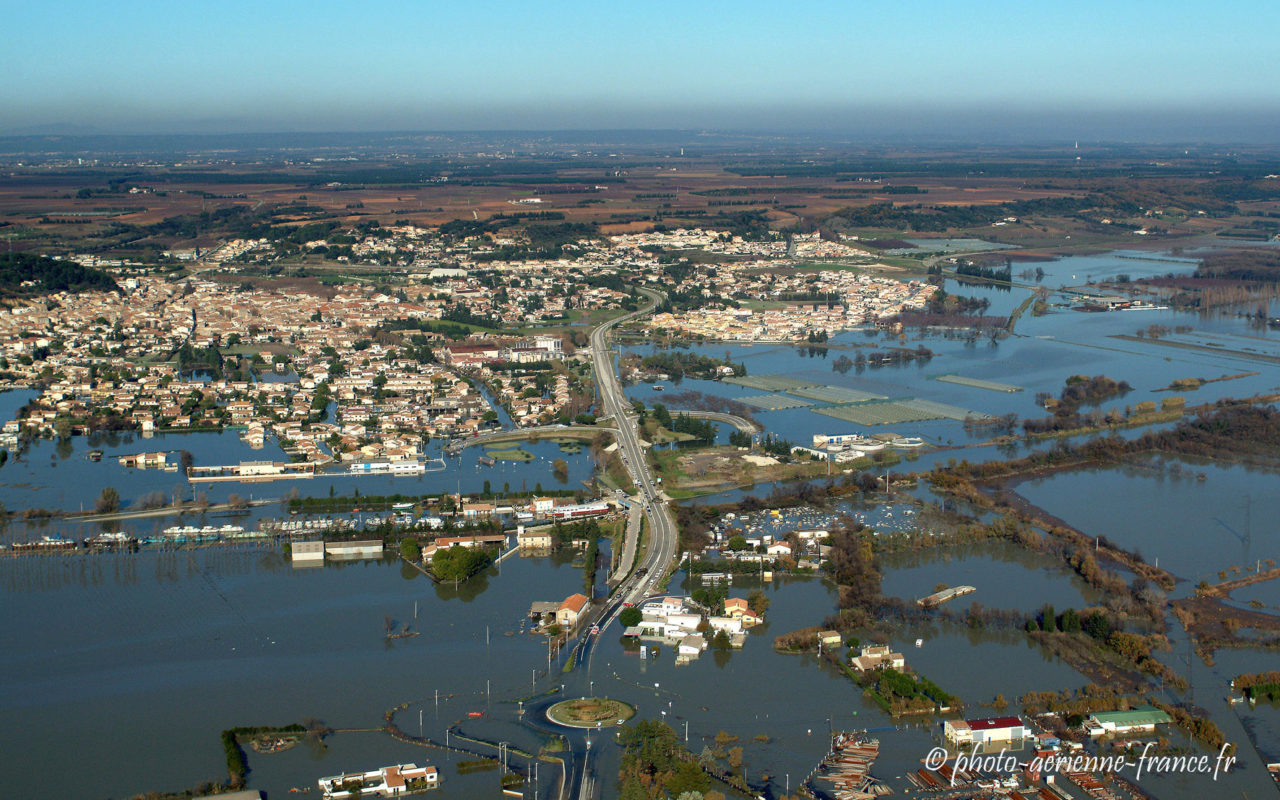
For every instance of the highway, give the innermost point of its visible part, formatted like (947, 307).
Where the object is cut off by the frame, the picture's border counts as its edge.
(581, 782)
(662, 527)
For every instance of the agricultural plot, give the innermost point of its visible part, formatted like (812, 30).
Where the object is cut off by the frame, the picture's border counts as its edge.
(895, 412)
(890, 413)
(769, 383)
(836, 395)
(943, 410)
(979, 383)
(773, 402)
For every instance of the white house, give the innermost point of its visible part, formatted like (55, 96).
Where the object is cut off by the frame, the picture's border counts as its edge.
(688, 622)
(877, 656)
(691, 645)
(390, 781)
(666, 606)
(726, 624)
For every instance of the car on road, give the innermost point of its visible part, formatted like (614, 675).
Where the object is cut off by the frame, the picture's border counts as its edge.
(595, 629)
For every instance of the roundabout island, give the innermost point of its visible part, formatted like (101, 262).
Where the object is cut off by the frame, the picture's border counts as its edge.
(590, 712)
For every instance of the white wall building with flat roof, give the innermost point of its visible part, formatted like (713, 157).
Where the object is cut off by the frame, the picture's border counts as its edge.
(365, 549)
(307, 553)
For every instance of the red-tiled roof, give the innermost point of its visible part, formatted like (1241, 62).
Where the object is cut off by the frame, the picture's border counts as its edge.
(392, 777)
(994, 722)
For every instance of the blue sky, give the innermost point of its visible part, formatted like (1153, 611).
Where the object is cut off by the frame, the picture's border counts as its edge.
(456, 64)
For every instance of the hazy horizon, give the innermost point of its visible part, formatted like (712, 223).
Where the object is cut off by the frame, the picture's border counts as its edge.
(1145, 71)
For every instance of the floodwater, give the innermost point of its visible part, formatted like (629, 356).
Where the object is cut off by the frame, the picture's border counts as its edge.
(1041, 354)
(1194, 528)
(1004, 575)
(59, 475)
(209, 639)
(133, 663)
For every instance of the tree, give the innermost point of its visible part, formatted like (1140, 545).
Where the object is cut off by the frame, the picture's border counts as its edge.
(409, 549)
(630, 616)
(1048, 620)
(561, 468)
(458, 562)
(1097, 625)
(737, 543)
(107, 502)
(735, 756)
(852, 565)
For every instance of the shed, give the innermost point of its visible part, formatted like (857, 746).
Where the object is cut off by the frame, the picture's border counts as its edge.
(307, 553)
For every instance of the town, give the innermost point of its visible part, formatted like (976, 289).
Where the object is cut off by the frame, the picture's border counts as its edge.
(637, 473)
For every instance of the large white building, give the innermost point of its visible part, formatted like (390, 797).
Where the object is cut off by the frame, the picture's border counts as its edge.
(990, 730)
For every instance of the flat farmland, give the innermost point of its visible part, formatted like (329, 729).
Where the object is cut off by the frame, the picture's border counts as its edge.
(118, 206)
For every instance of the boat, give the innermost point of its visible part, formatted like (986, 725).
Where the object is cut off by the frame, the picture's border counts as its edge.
(402, 507)
(487, 461)
(110, 540)
(95, 455)
(46, 543)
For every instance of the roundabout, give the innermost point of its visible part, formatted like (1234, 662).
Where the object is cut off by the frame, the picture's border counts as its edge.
(590, 712)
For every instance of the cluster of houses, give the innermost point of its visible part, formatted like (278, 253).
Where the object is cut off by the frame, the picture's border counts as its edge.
(99, 347)
(683, 624)
(511, 351)
(856, 299)
(807, 550)
(711, 241)
(518, 393)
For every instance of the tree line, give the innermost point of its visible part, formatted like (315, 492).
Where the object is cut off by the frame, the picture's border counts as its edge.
(49, 276)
